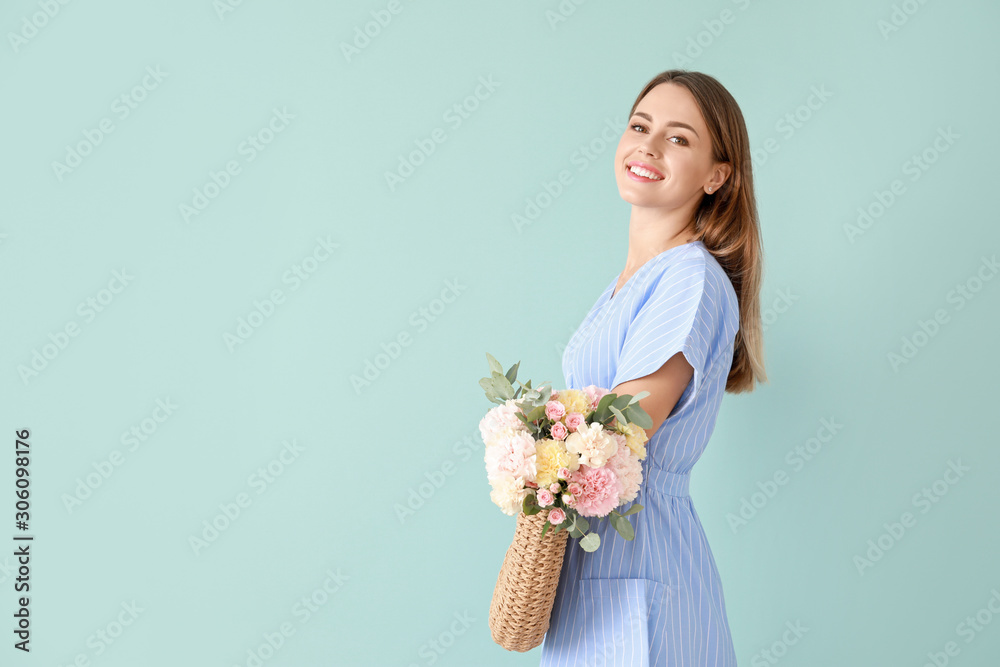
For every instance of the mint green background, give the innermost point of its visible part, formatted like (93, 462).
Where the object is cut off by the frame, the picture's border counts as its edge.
(364, 452)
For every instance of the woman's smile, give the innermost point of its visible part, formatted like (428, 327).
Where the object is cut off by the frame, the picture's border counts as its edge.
(642, 172)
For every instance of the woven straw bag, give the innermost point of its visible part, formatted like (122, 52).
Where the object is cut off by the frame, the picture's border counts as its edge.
(526, 587)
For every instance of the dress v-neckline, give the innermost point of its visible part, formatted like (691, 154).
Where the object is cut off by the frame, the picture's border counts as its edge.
(614, 293)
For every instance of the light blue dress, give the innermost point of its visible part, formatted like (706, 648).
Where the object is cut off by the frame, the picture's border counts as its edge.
(655, 600)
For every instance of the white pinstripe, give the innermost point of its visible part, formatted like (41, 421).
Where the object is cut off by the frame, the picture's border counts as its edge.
(655, 600)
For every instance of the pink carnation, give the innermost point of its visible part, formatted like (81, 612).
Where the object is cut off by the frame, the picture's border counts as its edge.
(574, 420)
(499, 417)
(556, 516)
(559, 431)
(599, 491)
(628, 469)
(545, 497)
(511, 452)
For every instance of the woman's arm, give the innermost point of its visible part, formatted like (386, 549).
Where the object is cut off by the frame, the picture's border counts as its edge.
(665, 386)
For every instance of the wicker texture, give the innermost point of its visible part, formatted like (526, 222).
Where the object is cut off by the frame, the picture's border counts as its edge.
(526, 587)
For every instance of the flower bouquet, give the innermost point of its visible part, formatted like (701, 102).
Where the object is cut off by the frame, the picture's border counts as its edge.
(554, 458)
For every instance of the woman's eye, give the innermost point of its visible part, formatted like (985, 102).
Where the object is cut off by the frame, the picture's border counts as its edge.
(682, 142)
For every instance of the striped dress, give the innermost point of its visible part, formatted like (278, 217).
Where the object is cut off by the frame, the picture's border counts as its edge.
(655, 600)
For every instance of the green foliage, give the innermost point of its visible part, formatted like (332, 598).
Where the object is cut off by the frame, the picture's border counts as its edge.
(632, 510)
(622, 525)
(530, 505)
(499, 388)
(590, 542)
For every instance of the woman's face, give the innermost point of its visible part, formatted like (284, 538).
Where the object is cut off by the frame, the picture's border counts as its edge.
(668, 136)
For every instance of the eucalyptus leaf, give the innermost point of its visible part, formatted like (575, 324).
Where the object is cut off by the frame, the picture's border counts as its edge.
(638, 416)
(632, 510)
(494, 364)
(638, 397)
(624, 527)
(590, 542)
(605, 401)
(622, 401)
(512, 373)
(546, 527)
(536, 413)
(498, 386)
(618, 415)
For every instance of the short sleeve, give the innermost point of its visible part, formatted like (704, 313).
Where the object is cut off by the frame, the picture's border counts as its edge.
(681, 313)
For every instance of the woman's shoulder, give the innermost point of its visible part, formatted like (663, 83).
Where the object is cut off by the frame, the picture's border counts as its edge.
(695, 267)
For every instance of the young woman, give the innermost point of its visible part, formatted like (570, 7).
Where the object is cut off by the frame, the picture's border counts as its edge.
(681, 321)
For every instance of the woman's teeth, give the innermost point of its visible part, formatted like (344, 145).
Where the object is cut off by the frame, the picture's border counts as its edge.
(645, 173)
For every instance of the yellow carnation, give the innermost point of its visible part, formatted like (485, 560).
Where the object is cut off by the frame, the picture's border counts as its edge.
(550, 456)
(574, 400)
(635, 437)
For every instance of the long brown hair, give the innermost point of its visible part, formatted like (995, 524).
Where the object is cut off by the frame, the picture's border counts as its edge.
(726, 221)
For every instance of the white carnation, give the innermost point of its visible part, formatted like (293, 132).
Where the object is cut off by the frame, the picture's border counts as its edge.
(508, 493)
(594, 445)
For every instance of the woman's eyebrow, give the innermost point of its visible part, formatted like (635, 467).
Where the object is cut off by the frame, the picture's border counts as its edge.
(672, 123)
